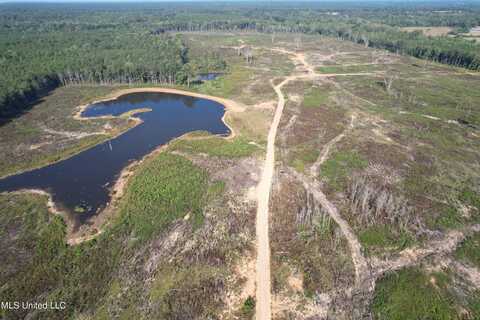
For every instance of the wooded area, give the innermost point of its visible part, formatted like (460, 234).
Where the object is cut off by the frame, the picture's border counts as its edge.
(33, 63)
(43, 46)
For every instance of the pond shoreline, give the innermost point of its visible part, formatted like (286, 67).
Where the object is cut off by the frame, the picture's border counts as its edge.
(229, 105)
(95, 224)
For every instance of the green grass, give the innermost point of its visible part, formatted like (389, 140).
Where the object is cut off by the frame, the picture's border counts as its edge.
(77, 275)
(410, 294)
(349, 69)
(449, 218)
(248, 307)
(474, 304)
(469, 250)
(216, 146)
(227, 85)
(303, 155)
(167, 188)
(470, 198)
(382, 236)
(315, 97)
(339, 167)
(23, 219)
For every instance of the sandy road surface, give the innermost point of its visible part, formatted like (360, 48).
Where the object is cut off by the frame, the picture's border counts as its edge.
(263, 281)
(263, 294)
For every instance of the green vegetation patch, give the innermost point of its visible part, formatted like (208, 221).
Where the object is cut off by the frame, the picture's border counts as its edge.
(46, 267)
(350, 69)
(474, 304)
(413, 294)
(315, 97)
(383, 236)
(216, 146)
(449, 218)
(302, 156)
(470, 198)
(248, 307)
(166, 188)
(23, 219)
(340, 166)
(227, 85)
(469, 250)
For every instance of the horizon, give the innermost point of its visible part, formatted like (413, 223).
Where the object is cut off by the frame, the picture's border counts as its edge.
(261, 1)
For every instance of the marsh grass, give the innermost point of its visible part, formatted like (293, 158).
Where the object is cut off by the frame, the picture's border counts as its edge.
(216, 146)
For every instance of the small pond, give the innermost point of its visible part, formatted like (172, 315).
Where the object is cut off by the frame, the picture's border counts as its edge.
(81, 184)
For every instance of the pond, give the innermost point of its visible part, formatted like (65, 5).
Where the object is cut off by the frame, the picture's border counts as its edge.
(81, 185)
(208, 76)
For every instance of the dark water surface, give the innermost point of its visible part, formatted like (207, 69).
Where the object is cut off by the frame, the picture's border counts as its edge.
(209, 76)
(83, 181)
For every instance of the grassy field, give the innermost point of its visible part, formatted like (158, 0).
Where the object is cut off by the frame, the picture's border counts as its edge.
(216, 146)
(365, 68)
(413, 294)
(469, 251)
(340, 167)
(315, 97)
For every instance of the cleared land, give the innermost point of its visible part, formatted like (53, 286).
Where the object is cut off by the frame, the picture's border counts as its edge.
(374, 195)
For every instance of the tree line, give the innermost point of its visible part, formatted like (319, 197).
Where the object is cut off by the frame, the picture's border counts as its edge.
(43, 46)
(33, 64)
(448, 50)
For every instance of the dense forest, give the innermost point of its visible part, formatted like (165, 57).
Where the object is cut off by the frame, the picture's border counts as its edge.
(43, 46)
(40, 62)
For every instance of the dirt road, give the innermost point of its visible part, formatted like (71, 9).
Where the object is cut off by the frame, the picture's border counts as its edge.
(263, 294)
(263, 281)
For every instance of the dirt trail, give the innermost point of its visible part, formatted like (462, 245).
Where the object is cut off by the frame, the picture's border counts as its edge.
(74, 135)
(367, 270)
(314, 169)
(362, 270)
(304, 70)
(411, 256)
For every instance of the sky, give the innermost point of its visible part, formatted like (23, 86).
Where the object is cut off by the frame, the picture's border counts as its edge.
(27, 1)
(319, 1)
